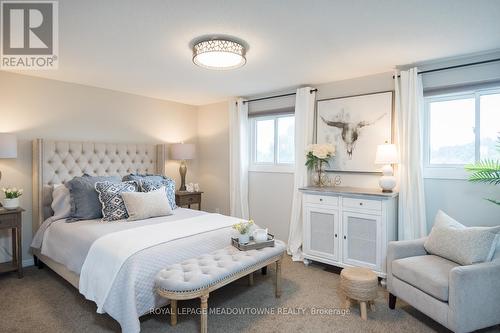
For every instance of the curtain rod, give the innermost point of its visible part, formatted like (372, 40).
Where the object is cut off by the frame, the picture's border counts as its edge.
(456, 66)
(276, 96)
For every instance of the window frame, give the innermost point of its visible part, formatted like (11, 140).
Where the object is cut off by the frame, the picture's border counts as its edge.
(274, 166)
(453, 171)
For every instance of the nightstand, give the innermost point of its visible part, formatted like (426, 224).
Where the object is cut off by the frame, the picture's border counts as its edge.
(11, 219)
(184, 198)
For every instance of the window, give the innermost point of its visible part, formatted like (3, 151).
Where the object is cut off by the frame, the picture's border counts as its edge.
(461, 129)
(272, 143)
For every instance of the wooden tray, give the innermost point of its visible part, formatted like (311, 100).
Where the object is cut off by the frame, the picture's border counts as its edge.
(253, 245)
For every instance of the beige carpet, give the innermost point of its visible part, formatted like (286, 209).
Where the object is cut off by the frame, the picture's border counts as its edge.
(44, 302)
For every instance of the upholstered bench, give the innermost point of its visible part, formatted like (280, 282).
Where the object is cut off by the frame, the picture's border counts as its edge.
(198, 277)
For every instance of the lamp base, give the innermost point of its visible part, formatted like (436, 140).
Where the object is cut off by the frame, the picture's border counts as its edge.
(183, 171)
(387, 182)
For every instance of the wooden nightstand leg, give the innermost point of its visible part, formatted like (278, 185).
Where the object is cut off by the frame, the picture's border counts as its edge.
(19, 254)
(14, 246)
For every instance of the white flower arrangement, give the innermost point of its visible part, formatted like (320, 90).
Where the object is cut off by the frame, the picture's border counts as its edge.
(318, 154)
(12, 193)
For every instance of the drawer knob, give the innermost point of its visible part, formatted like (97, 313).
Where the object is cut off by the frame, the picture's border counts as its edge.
(320, 199)
(335, 235)
(361, 204)
(344, 237)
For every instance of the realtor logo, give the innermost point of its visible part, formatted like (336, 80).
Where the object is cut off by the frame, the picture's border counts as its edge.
(29, 38)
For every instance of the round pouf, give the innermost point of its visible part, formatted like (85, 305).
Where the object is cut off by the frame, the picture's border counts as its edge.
(359, 284)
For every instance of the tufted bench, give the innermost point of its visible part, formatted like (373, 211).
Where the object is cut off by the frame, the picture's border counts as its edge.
(198, 277)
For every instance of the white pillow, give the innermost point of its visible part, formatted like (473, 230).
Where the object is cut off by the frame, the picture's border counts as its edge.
(464, 245)
(61, 204)
(143, 205)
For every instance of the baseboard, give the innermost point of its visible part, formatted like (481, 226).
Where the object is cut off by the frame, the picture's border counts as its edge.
(28, 262)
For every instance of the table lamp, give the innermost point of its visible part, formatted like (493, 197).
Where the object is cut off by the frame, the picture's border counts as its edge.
(8, 147)
(387, 154)
(182, 152)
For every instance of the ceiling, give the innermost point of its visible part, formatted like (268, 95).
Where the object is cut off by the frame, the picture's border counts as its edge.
(143, 47)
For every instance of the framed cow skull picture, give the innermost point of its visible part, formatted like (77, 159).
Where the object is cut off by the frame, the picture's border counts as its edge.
(355, 125)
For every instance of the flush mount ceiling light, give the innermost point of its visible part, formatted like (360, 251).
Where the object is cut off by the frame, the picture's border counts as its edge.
(219, 54)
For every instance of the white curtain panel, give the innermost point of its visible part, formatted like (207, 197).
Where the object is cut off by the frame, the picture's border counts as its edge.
(304, 128)
(409, 119)
(238, 158)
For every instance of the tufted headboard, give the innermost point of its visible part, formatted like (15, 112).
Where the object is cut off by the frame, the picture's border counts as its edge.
(55, 162)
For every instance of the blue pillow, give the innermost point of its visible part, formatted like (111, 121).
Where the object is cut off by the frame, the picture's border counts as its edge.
(113, 206)
(169, 183)
(84, 201)
(139, 177)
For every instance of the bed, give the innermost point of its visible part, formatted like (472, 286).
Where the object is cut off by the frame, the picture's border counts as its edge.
(67, 248)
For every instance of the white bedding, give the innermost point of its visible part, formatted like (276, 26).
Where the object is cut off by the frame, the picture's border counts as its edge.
(108, 253)
(69, 243)
(132, 293)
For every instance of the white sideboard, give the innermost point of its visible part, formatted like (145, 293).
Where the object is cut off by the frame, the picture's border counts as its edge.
(346, 226)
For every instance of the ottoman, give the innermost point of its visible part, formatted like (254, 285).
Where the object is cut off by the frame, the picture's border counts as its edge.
(359, 284)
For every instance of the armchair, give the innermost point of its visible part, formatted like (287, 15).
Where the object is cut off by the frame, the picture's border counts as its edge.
(461, 298)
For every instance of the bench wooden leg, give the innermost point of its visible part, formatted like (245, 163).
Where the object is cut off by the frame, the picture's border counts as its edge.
(278, 279)
(173, 312)
(264, 270)
(250, 279)
(204, 313)
(362, 307)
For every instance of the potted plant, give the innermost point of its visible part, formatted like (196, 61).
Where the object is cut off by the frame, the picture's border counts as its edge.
(243, 229)
(486, 171)
(318, 155)
(12, 195)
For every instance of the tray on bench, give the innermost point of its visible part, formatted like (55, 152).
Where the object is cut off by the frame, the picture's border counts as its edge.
(253, 245)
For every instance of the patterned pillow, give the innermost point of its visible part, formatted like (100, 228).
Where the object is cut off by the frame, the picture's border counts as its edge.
(169, 183)
(113, 207)
(143, 176)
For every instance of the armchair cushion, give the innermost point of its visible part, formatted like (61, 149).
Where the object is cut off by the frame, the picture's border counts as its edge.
(464, 245)
(429, 273)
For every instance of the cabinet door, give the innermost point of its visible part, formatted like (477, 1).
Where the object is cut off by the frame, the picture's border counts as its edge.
(361, 239)
(321, 233)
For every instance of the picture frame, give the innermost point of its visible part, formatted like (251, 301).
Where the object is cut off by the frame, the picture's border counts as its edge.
(356, 125)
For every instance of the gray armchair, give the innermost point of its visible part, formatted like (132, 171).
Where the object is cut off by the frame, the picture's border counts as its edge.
(461, 298)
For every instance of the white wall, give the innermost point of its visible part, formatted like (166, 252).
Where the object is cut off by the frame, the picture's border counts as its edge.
(39, 108)
(213, 156)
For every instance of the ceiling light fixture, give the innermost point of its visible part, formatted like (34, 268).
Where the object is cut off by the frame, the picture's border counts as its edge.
(219, 54)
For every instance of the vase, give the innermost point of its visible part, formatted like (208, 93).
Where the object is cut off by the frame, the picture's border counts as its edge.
(10, 203)
(319, 177)
(243, 238)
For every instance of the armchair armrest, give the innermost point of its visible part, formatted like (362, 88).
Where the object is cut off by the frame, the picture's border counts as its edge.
(474, 297)
(402, 249)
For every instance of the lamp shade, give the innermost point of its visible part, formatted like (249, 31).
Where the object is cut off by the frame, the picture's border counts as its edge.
(8, 145)
(182, 151)
(386, 154)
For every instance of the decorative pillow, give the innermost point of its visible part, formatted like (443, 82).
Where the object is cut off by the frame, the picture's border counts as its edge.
(113, 207)
(143, 176)
(464, 245)
(168, 183)
(61, 202)
(85, 204)
(142, 205)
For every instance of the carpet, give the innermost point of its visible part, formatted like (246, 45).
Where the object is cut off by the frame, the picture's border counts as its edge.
(43, 302)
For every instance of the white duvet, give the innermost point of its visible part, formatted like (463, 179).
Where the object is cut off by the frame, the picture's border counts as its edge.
(130, 293)
(108, 253)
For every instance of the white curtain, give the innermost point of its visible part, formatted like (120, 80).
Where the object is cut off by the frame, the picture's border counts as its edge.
(409, 116)
(304, 126)
(238, 158)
